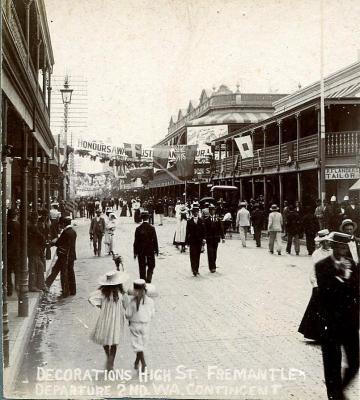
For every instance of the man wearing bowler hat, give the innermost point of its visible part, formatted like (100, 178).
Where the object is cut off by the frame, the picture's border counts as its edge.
(145, 247)
(213, 234)
(195, 238)
(338, 282)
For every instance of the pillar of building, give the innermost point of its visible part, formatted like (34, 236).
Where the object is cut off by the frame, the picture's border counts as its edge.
(4, 153)
(264, 190)
(253, 187)
(35, 176)
(264, 146)
(281, 192)
(253, 146)
(241, 189)
(299, 186)
(42, 179)
(23, 299)
(279, 124)
(47, 183)
(298, 134)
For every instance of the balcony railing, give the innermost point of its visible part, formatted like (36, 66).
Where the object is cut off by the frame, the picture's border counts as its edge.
(343, 143)
(337, 144)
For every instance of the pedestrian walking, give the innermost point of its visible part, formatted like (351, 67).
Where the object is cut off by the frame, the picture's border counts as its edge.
(338, 281)
(213, 235)
(227, 223)
(349, 227)
(275, 225)
(310, 226)
(66, 253)
(320, 214)
(96, 231)
(55, 215)
(195, 239)
(110, 229)
(284, 215)
(140, 312)
(112, 300)
(129, 206)
(243, 222)
(36, 244)
(293, 230)
(145, 248)
(310, 323)
(137, 213)
(332, 215)
(257, 220)
(180, 233)
(159, 210)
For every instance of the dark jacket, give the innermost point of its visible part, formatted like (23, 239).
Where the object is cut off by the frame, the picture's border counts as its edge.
(195, 232)
(257, 218)
(293, 223)
(159, 208)
(97, 227)
(213, 230)
(145, 242)
(36, 240)
(13, 239)
(66, 244)
(338, 301)
(310, 224)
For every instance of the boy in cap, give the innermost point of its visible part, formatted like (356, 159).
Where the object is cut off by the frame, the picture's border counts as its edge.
(338, 281)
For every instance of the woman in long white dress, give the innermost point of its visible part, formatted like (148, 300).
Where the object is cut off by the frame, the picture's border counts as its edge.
(112, 301)
(180, 233)
(110, 229)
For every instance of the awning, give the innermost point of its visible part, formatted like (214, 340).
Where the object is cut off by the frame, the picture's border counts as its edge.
(348, 91)
(356, 185)
(230, 118)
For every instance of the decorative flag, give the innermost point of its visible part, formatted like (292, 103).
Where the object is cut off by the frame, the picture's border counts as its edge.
(245, 146)
(236, 163)
(161, 156)
(185, 158)
(146, 174)
(132, 150)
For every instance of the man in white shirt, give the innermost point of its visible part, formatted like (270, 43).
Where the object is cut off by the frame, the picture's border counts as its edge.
(243, 222)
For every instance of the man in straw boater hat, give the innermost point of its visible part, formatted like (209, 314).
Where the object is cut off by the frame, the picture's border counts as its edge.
(338, 282)
(275, 226)
(112, 301)
(349, 227)
(145, 247)
(195, 238)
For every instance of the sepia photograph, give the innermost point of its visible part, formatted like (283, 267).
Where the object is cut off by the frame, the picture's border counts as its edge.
(180, 199)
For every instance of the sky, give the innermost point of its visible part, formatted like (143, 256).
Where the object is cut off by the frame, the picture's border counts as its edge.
(145, 59)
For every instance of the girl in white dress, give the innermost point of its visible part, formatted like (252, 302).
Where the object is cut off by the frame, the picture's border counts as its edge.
(139, 312)
(112, 301)
(110, 233)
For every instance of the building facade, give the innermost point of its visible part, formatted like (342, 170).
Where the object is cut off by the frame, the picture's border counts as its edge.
(29, 155)
(287, 146)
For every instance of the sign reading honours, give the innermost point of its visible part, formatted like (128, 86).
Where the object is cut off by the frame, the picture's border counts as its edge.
(342, 173)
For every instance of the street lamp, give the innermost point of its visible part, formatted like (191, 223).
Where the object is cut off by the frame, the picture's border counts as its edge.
(66, 94)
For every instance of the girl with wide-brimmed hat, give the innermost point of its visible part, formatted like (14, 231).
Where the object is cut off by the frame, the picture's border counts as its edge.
(112, 301)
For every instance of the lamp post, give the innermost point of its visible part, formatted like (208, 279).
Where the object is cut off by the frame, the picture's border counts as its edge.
(66, 94)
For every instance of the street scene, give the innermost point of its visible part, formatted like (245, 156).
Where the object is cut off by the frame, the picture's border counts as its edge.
(180, 195)
(245, 317)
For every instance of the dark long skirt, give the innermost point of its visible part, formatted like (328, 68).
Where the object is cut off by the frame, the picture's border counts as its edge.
(310, 323)
(137, 216)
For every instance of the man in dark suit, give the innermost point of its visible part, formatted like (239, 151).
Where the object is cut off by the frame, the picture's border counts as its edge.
(195, 238)
(96, 231)
(338, 281)
(66, 253)
(257, 220)
(145, 247)
(213, 234)
(349, 227)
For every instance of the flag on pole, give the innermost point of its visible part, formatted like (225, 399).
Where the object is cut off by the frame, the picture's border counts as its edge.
(132, 150)
(161, 156)
(185, 158)
(244, 143)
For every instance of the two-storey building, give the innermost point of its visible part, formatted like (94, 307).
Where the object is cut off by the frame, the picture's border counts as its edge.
(217, 112)
(287, 146)
(28, 147)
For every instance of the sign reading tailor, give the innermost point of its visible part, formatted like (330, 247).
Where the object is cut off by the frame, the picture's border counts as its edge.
(342, 173)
